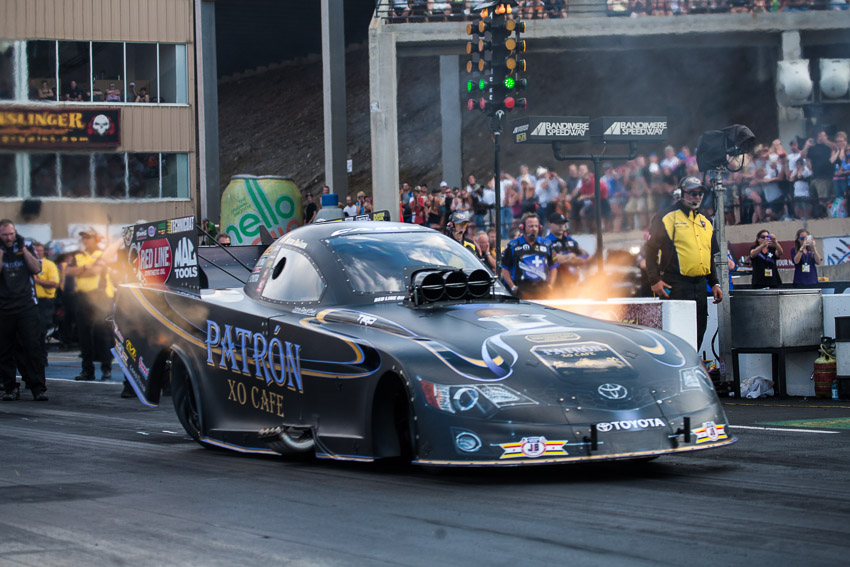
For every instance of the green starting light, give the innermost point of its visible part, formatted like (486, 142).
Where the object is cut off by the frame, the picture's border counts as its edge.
(510, 82)
(469, 86)
(482, 84)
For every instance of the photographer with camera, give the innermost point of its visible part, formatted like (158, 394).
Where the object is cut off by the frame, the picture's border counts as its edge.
(21, 329)
(764, 253)
(806, 259)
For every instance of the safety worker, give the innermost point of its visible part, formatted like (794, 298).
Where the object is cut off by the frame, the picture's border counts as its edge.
(680, 252)
(456, 229)
(527, 264)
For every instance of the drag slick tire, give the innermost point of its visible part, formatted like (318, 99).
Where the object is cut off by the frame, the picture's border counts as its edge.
(184, 398)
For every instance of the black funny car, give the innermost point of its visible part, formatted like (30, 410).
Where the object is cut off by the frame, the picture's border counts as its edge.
(367, 340)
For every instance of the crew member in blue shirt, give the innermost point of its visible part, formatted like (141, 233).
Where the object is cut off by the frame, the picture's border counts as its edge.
(527, 263)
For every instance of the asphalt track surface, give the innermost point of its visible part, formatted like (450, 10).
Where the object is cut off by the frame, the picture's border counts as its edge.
(90, 479)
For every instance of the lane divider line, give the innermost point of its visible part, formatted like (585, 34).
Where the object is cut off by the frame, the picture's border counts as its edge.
(792, 429)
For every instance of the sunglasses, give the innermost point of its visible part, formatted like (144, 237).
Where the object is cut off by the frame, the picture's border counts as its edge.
(763, 235)
(694, 193)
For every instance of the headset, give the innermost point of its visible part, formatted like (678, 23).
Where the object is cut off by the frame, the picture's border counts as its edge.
(685, 184)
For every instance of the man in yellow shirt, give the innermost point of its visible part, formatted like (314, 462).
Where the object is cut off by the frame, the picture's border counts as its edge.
(46, 284)
(94, 304)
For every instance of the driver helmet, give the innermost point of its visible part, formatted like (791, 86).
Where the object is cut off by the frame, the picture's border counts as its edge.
(458, 218)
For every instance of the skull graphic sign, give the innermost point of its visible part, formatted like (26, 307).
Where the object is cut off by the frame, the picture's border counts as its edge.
(101, 124)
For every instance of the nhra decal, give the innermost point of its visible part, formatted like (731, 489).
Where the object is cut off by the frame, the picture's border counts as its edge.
(631, 424)
(155, 261)
(273, 360)
(591, 356)
(709, 432)
(533, 447)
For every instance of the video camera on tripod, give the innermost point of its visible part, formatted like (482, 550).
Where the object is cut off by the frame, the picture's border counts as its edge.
(715, 147)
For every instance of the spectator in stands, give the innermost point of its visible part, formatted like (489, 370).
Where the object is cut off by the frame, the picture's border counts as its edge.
(439, 8)
(549, 186)
(350, 209)
(131, 93)
(471, 185)
(841, 177)
(639, 8)
(616, 195)
(113, 93)
(401, 8)
(588, 202)
(556, 9)
(74, 92)
(484, 252)
(636, 208)
(45, 92)
(793, 153)
(143, 95)
(310, 209)
(803, 198)
(822, 154)
(223, 239)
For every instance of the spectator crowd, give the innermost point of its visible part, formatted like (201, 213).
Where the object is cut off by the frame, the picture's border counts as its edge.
(427, 10)
(806, 179)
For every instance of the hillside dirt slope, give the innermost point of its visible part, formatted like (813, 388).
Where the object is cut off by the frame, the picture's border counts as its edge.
(271, 123)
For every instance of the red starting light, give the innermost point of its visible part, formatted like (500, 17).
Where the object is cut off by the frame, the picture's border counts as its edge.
(470, 104)
(482, 103)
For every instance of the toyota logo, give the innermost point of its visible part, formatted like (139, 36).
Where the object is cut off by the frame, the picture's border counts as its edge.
(612, 391)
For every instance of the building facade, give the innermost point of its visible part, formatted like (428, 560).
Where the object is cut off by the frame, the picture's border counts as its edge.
(97, 113)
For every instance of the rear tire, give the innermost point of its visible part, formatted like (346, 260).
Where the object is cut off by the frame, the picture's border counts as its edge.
(185, 401)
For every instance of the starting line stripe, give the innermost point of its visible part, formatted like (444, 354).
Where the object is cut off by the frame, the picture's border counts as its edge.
(794, 430)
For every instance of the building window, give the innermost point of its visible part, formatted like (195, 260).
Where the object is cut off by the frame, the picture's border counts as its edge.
(41, 71)
(114, 175)
(97, 71)
(7, 70)
(8, 175)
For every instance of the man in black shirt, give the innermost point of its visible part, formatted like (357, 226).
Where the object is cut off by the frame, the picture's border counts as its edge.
(21, 330)
(75, 93)
(822, 154)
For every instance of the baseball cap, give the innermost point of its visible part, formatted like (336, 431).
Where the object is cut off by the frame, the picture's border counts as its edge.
(443, 184)
(557, 218)
(88, 231)
(541, 171)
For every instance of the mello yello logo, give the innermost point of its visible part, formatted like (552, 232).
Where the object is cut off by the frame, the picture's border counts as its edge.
(250, 202)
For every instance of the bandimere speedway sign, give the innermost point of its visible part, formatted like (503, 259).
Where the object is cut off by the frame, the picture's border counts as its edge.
(27, 127)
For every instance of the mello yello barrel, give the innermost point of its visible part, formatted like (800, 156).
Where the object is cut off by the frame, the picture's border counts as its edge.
(250, 201)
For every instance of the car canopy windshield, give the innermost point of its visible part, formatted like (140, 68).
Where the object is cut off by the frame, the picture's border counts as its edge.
(375, 262)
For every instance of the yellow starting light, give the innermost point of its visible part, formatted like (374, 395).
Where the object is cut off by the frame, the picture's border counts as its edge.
(515, 44)
(515, 25)
(469, 47)
(482, 26)
(485, 12)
